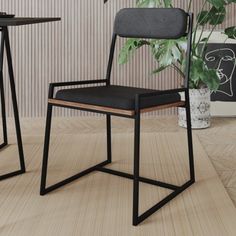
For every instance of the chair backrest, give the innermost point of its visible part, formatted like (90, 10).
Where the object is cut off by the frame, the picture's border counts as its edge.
(152, 23)
(158, 23)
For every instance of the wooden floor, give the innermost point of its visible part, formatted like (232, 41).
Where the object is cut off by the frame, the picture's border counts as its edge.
(100, 204)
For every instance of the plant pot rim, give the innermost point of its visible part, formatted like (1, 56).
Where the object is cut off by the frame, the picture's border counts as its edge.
(200, 88)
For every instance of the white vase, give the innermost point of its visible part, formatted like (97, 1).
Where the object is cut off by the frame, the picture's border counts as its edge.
(200, 109)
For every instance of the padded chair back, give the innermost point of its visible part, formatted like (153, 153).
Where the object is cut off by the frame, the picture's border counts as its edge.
(156, 23)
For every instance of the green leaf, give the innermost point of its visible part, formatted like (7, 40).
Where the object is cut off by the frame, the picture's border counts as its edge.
(201, 75)
(167, 52)
(214, 17)
(167, 3)
(217, 15)
(230, 1)
(204, 40)
(217, 3)
(211, 79)
(128, 49)
(231, 32)
(196, 71)
(203, 17)
(148, 3)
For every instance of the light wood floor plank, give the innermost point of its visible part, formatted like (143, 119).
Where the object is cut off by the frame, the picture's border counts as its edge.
(100, 204)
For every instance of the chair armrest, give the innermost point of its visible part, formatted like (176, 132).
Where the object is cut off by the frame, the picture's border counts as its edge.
(71, 83)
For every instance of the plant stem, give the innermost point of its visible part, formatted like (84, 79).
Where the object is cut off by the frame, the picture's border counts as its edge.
(198, 22)
(207, 40)
(212, 30)
(178, 70)
(189, 5)
(199, 40)
(145, 42)
(180, 73)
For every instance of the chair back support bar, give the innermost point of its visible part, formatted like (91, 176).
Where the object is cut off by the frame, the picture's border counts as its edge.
(156, 23)
(189, 51)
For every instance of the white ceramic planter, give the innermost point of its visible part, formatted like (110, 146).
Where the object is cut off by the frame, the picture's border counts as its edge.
(200, 109)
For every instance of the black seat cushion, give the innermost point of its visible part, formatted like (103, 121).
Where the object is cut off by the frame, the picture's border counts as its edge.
(120, 97)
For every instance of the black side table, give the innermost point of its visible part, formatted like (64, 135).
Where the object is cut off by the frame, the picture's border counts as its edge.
(4, 41)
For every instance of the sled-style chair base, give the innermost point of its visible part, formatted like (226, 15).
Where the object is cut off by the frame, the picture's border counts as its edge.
(101, 166)
(127, 102)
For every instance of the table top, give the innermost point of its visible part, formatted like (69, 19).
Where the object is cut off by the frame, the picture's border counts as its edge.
(16, 21)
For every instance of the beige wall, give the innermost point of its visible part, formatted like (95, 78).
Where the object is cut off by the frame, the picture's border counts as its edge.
(75, 48)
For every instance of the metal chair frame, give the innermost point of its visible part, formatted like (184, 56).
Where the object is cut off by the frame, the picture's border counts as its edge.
(136, 115)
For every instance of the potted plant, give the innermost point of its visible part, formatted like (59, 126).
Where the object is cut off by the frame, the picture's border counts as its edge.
(171, 53)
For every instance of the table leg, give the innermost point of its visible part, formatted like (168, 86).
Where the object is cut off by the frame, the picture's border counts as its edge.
(5, 41)
(3, 109)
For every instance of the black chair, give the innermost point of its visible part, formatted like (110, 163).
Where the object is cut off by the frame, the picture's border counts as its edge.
(128, 102)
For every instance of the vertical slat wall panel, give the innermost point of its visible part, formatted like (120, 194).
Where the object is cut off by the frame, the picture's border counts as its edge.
(75, 48)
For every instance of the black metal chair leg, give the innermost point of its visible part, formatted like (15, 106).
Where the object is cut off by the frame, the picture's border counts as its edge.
(137, 219)
(189, 133)
(108, 122)
(46, 150)
(136, 169)
(43, 189)
(14, 100)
